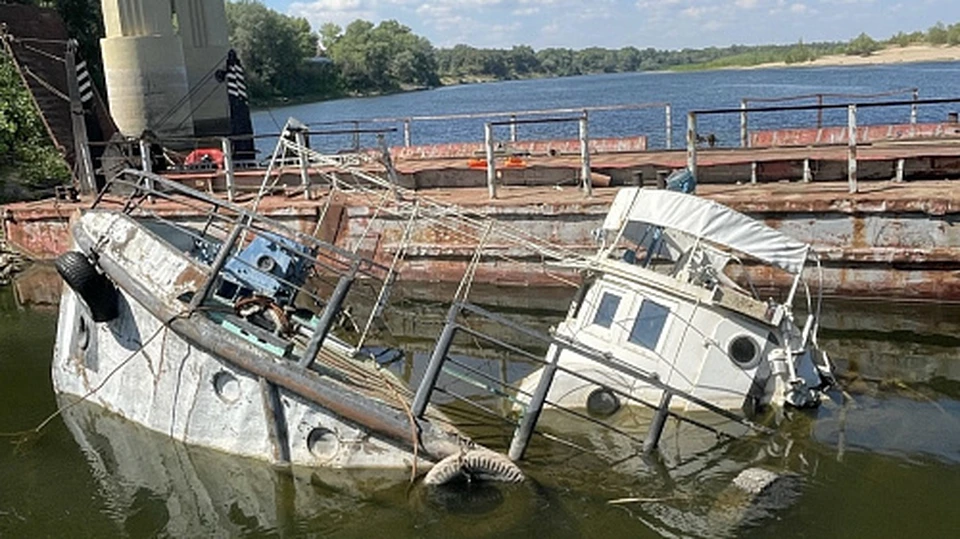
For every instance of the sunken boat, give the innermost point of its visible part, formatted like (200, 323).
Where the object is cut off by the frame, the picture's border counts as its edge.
(205, 332)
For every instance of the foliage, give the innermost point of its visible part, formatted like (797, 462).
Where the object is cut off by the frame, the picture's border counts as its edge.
(84, 23)
(862, 45)
(382, 58)
(26, 153)
(274, 48)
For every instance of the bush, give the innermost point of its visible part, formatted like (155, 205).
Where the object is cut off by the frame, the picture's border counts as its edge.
(863, 45)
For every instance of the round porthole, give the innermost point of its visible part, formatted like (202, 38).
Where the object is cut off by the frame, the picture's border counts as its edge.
(602, 402)
(743, 350)
(266, 264)
(227, 387)
(323, 443)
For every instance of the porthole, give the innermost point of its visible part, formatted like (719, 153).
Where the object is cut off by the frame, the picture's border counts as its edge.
(323, 443)
(266, 264)
(83, 334)
(743, 350)
(227, 387)
(602, 402)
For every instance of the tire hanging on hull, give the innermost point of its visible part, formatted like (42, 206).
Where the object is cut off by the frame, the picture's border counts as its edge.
(93, 287)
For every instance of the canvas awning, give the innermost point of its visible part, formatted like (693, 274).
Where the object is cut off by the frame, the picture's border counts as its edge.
(704, 219)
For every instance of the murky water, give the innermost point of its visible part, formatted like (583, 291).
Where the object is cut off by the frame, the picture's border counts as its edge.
(881, 461)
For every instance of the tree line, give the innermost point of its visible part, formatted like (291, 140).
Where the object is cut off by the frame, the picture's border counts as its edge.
(286, 59)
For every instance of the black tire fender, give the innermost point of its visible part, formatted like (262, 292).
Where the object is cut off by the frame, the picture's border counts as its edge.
(474, 464)
(94, 288)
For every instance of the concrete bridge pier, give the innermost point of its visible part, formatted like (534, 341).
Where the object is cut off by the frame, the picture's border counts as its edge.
(159, 59)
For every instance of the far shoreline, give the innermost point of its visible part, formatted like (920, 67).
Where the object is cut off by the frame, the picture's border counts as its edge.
(891, 55)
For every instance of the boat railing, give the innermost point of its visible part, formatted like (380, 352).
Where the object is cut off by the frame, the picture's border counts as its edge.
(219, 230)
(531, 404)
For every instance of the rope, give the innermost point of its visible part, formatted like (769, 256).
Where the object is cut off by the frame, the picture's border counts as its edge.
(189, 115)
(45, 84)
(397, 257)
(29, 435)
(176, 106)
(44, 53)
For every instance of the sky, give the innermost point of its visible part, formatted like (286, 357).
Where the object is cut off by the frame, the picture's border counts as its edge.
(662, 24)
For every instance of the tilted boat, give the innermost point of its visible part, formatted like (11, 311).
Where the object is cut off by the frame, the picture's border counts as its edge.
(660, 301)
(205, 332)
(209, 330)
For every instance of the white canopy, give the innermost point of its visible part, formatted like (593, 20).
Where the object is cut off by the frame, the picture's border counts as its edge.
(707, 220)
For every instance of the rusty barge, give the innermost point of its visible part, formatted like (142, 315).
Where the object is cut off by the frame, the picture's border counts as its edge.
(877, 202)
(888, 240)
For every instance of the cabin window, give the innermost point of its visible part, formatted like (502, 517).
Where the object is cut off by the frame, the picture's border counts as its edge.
(607, 310)
(649, 324)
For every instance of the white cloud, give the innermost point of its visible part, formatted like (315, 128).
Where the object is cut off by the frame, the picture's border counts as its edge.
(341, 12)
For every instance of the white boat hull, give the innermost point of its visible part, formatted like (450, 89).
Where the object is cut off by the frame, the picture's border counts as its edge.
(136, 368)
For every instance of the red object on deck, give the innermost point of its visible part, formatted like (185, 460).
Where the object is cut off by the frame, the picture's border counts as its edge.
(203, 156)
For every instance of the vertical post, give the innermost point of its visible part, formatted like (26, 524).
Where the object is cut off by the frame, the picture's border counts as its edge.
(388, 164)
(753, 172)
(222, 255)
(692, 143)
(585, 156)
(659, 420)
(491, 165)
(513, 128)
(807, 173)
(145, 157)
(913, 107)
(901, 165)
(301, 138)
(668, 118)
(146, 163)
(662, 176)
(422, 398)
(819, 111)
(356, 135)
(406, 132)
(330, 311)
(852, 147)
(521, 436)
(276, 422)
(227, 146)
(744, 135)
(88, 184)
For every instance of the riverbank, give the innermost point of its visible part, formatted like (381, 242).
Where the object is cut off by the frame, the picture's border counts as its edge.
(890, 55)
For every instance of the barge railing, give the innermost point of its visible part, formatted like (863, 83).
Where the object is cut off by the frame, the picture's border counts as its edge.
(852, 108)
(515, 117)
(820, 96)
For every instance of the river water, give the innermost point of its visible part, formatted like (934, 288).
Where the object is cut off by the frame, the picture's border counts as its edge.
(881, 461)
(684, 91)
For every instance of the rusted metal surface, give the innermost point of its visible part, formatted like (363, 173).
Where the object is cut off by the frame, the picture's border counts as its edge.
(891, 239)
(865, 134)
(466, 150)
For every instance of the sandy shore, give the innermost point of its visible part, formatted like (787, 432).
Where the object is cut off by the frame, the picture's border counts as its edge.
(891, 55)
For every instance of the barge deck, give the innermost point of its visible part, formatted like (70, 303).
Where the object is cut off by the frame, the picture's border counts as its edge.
(891, 239)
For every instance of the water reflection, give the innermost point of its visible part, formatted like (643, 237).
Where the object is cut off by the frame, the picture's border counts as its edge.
(881, 461)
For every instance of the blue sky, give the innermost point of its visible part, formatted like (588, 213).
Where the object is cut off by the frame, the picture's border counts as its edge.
(663, 24)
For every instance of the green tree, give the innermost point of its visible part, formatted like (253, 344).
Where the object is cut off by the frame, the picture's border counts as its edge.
(863, 45)
(937, 34)
(28, 159)
(382, 58)
(272, 47)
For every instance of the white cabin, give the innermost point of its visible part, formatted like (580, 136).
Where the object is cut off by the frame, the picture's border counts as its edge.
(658, 300)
